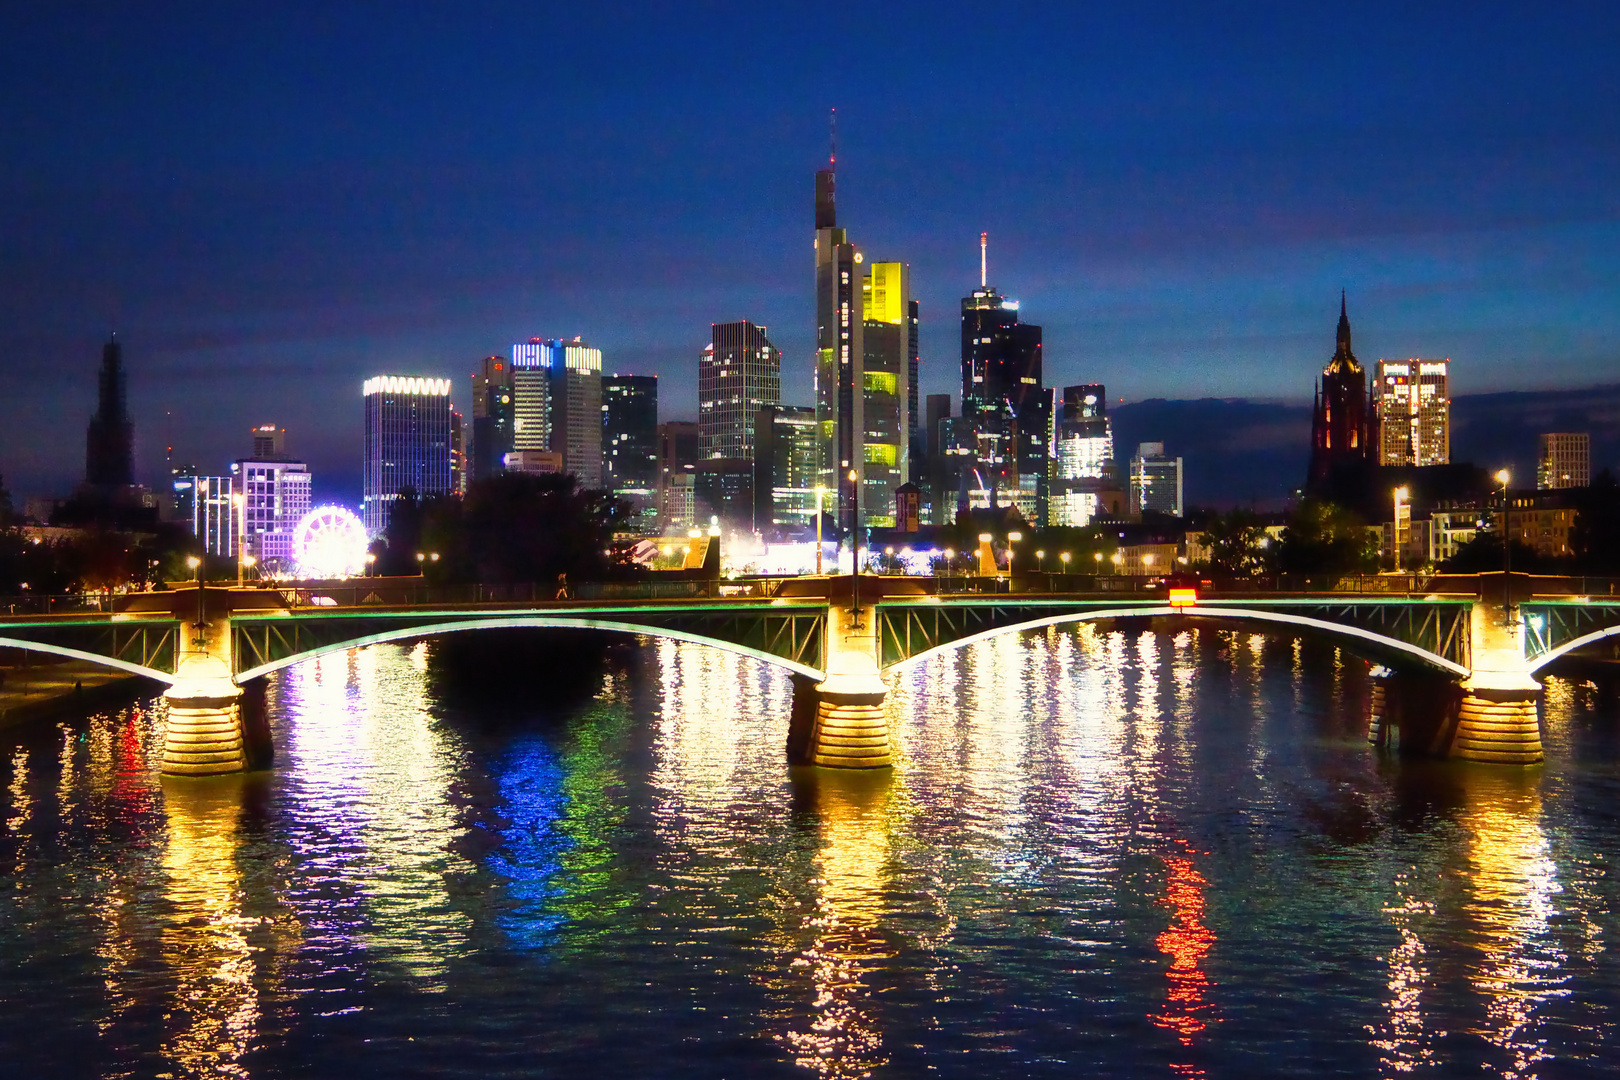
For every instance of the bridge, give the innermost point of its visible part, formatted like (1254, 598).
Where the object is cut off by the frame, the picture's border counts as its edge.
(1452, 675)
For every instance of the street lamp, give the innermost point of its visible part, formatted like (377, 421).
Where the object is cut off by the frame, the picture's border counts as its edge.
(1400, 499)
(371, 564)
(855, 552)
(196, 565)
(1012, 538)
(1503, 477)
(1065, 558)
(821, 491)
(241, 535)
(1040, 559)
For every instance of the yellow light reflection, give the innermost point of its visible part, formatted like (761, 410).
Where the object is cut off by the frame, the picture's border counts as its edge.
(1405, 1040)
(843, 1038)
(215, 1015)
(1513, 882)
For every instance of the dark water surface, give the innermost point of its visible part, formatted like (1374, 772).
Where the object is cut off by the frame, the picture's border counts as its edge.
(1099, 854)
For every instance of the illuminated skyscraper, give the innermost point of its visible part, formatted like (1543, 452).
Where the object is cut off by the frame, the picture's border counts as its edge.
(630, 444)
(491, 417)
(1155, 481)
(1003, 398)
(1339, 421)
(786, 467)
(109, 458)
(840, 350)
(458, 453)
(557, 403)
(275, 491)
(407, 443)
(888, 340)
(1412, 407)
(1565, 460)
(1085, 456)
(739, 373)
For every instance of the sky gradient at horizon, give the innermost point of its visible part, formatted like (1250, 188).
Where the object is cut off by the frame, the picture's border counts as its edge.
(272, 207)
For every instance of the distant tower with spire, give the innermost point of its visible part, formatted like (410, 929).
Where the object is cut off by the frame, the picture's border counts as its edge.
(1340, 436)
(110, 441)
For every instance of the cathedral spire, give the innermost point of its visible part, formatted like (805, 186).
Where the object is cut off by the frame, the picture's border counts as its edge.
(1344, 326)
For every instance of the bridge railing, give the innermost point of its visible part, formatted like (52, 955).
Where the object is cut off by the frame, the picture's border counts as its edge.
(364, 593)
(65, 604)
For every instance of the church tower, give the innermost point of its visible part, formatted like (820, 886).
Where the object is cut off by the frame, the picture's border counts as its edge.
(1340, 437)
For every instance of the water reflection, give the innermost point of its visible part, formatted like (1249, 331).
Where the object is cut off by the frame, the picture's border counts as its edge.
(1512, 881)
(214, 1018)
(1406, 1040)
(841, 1036)
(1187, 940)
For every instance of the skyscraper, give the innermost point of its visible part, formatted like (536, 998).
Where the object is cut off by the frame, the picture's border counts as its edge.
(109, 458)
(1339, 427)
(1564, 460)
(1003, 397)
(630, 444)
(840, 350)
(458, 453)
(557, 403)
(677, 464)
(888, 348)
(1085, 456)
(1412, 409)
(787, 467)
(1155, 481)
(492, 418)
(738, 373)
(407, 443)
(275, 491)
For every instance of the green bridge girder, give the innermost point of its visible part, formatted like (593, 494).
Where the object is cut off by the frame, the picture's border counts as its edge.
(1432, 631)
(790, 633)
(1554, 627)
(142, 646)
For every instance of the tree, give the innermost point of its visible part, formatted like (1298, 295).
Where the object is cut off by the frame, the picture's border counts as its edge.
(1323, 538)
(1236, 543)
(1595, 537)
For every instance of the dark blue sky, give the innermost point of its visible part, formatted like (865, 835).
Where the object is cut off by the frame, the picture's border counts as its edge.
(270, 208)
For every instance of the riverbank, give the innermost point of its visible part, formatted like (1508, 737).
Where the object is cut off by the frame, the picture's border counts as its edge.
(36, 692)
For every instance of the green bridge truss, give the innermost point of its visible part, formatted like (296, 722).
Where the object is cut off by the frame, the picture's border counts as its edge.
(1432, 632)
(1554, 627)
(143, 646)
(788, 635)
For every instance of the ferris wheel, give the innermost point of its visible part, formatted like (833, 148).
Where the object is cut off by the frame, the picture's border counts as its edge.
(329, 542)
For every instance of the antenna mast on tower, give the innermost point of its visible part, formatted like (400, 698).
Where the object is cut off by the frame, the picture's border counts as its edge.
(832, 142)
(984, 242)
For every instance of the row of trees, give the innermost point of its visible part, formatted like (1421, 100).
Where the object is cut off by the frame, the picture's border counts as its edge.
(511, 527)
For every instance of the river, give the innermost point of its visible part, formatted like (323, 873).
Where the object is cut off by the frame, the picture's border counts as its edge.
(1100, 853)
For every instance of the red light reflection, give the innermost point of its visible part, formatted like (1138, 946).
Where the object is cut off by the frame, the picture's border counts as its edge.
(1186, 941)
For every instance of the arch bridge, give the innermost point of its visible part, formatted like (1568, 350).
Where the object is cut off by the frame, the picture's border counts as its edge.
(206, 643)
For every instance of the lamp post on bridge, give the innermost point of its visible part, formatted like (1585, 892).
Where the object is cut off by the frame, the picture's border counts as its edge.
(1503, 477)
(855, 551)
(196, 565)
(821, 491)
(1400, 502)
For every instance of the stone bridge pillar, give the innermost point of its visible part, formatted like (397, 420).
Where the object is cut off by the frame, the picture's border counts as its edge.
(839, 723)
(1498, 718)
(204, 735)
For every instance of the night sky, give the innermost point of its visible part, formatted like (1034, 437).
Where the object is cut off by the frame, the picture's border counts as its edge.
(271, 208)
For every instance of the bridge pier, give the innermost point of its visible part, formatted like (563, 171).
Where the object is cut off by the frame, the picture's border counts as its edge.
(204, 735)
(839, 723)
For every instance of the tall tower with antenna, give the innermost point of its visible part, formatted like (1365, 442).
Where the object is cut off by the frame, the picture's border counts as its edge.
(840, 346)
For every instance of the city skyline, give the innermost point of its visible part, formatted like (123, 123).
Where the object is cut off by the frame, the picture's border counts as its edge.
(1209, 280)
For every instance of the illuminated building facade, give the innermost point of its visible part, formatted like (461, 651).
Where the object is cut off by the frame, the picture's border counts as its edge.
(630, 444)
(557, 403)
(840, 350)
(1155, 481)
(492, 419)
(739, 372)
(458, 452)
(1339, 419)
(407, 443)
(888, 342)
(1003, 395)
(1084, 466)
(787, 467)
(109, 456)
(275, 492)
(1564, 460)
(213, 514)
(1412, 409)
(677, 463)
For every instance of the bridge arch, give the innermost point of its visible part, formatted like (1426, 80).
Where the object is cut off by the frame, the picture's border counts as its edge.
(527, 622)
(94, 658)
(1351, 636)
(1570, 646)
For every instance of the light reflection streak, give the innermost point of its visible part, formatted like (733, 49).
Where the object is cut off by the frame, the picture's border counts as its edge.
(842, 1036)
(1187, 940)
(1406, 1039)
(215, 1014)
(1513, 882)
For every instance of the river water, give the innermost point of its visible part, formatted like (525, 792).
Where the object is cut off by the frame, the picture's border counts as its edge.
(1098, 854)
